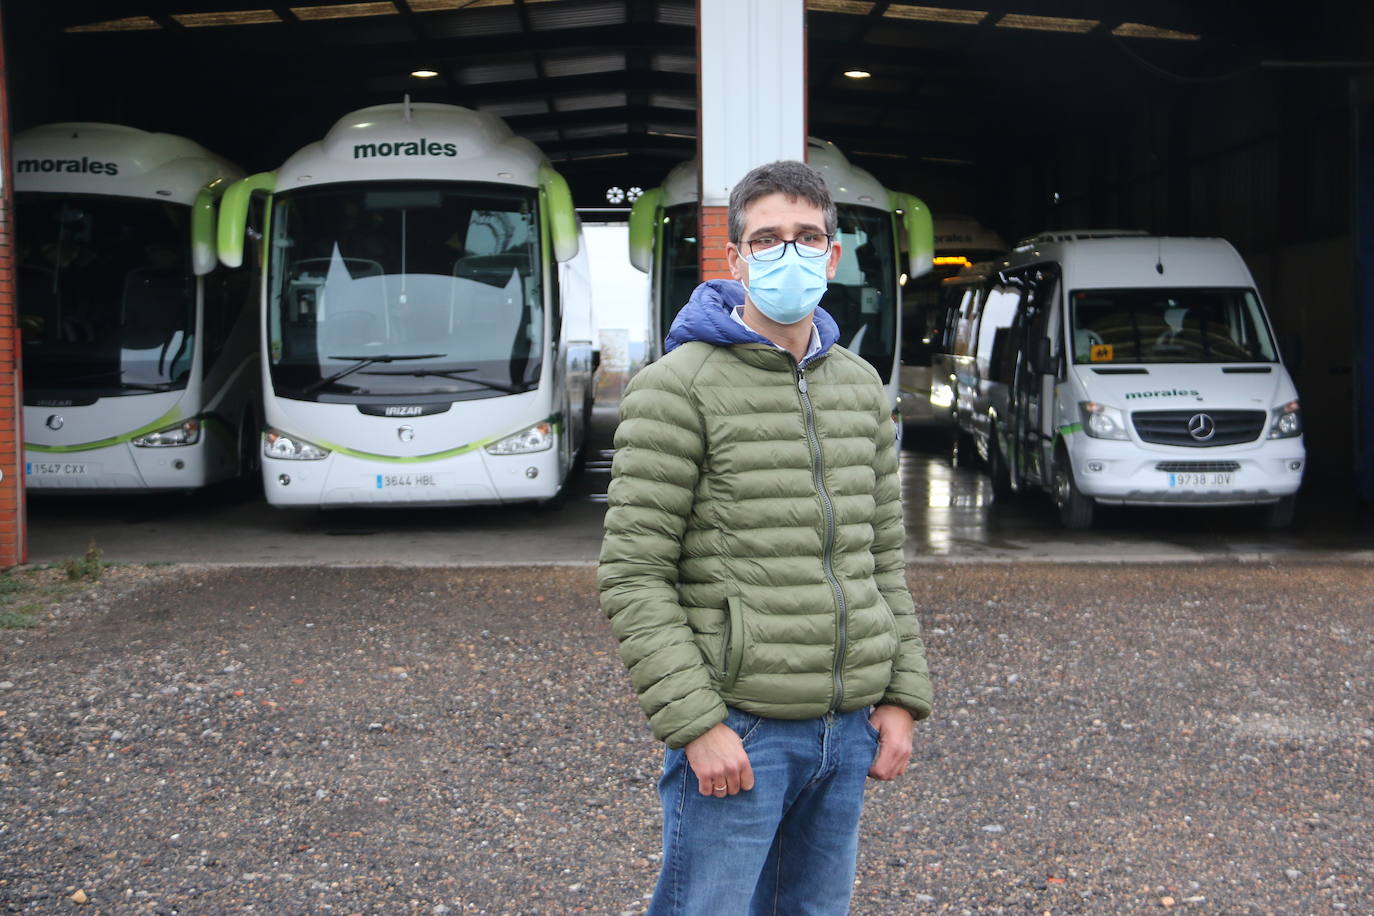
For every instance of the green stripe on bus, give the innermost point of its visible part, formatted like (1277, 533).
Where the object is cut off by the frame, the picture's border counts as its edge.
(166, 419)
(433, 456)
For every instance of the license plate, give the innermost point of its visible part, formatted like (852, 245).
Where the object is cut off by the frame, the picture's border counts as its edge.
(1201, 481)
(57, 467)
(405, 481)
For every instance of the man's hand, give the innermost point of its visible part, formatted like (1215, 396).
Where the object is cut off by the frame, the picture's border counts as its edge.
(719, 760)
(894, 725)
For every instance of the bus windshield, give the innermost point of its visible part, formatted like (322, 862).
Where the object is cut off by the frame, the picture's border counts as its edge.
(107, 300)
(1154, 325)
(862, 298)
(681, 267)
(427, 290)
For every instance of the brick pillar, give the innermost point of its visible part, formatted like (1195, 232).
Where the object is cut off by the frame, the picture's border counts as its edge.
(13, 535)
(714, 235)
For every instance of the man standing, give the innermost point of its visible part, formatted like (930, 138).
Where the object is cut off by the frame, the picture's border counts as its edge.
(752, 571)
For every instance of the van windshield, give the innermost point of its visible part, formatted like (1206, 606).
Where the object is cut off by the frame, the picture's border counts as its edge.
(1153, 325)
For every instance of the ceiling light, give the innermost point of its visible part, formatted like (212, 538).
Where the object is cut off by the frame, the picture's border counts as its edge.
(344, 10)
(1138, 30)
(857, 74)
(131, 24)
(424, 74)
(1047, 23)
(229, 17)
(935, 14)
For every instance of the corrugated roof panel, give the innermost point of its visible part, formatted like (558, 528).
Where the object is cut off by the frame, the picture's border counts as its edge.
(470, 23)
(508, 72)
(673, 63)
(677, 14)
(542, 135)
(672, 130)
(580, 64)
(516, 108)
(594, 130)
(585, 102)
(130, 24)
(669, 100)
(575, 15)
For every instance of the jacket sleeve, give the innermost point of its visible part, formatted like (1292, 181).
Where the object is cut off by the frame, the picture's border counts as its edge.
(660, 447)
(910, 686)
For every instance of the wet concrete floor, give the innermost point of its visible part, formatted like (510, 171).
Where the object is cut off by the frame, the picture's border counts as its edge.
(950, 517)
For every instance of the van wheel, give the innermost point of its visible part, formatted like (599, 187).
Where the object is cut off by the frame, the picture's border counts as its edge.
(998, 469)
(1280, 514)
(1075, 510)
(963, 453)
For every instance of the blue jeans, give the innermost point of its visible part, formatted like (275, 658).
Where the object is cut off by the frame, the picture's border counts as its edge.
(788, 846)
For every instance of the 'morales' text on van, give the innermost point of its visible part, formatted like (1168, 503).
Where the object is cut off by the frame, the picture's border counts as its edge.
(421, 147)
(83, 166)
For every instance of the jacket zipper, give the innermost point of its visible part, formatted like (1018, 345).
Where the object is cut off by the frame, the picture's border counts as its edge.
(827, 555)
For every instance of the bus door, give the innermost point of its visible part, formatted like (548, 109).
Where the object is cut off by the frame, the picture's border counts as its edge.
(1035, 376)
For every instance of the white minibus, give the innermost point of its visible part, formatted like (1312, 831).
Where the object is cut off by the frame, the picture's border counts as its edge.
(139, 351)
(426, 319)
(1136, 370)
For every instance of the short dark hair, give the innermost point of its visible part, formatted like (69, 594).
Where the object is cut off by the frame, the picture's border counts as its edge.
(788, 177)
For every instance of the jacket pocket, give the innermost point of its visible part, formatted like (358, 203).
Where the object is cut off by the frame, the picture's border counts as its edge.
(734, 644)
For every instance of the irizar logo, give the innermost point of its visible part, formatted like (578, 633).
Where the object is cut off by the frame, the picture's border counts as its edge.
(83, 166)
(1169, 393)
(406, 411)
(421, 147)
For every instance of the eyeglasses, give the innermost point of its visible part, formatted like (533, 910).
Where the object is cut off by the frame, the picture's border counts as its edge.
(806, 245)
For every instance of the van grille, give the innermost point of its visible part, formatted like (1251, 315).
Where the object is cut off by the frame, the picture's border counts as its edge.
(1198, 467)
(1170, 427)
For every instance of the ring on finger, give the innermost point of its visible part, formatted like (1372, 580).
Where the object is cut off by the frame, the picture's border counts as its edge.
(720, 788)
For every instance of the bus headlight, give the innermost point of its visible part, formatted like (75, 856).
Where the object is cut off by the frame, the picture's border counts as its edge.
(1102, 422)
(187, 432)
(277, 444)
(1287, 421)
(536, 438)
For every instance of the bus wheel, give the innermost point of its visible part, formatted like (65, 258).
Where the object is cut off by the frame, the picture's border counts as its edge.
(998, 469)
(1075, 510)
(1280, 514)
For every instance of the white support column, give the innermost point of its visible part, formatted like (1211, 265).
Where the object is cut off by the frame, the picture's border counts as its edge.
(751, 58)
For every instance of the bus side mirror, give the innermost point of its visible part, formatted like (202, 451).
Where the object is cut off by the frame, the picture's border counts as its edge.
(644, 218)
(563, 224)
(204, 253)
(1041, 360)
(920, 232)
(233, 215)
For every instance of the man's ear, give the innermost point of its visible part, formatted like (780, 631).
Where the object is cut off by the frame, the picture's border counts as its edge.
(735, 262)
(834, 262)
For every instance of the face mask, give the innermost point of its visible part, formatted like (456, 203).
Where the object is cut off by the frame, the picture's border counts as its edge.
(789, 289)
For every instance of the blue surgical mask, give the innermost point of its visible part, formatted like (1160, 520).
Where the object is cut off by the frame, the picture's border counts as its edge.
(789, 289)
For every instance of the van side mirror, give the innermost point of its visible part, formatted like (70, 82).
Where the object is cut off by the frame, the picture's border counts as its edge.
(1041, 360)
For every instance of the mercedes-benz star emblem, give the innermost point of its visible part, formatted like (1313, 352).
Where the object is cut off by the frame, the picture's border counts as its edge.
(1202, 427)
(55, 422)
(405, 433)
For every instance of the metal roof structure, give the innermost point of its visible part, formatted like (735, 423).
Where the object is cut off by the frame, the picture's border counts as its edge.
(607, 88)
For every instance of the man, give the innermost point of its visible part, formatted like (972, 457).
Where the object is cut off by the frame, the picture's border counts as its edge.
(752, 572)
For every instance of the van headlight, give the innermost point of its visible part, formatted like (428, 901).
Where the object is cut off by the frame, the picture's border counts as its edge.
(277, 444)
(1102, 422)
(535, 438)
(187, 432)
(1287, 421)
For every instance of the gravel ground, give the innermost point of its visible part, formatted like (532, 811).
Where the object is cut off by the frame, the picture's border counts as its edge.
(346, 740)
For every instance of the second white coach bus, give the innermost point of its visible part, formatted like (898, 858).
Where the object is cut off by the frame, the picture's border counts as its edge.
(140, 356)
(426, 314)
(864, 298)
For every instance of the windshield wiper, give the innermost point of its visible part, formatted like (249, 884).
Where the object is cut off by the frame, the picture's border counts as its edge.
(131, 386)
(362, 363)
(456, 375)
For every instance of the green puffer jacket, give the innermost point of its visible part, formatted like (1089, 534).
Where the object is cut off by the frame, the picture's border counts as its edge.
(753, 548)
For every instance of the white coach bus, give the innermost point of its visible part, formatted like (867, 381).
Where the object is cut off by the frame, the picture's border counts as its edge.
(864, 298)
(139, 352)
(426, 314)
